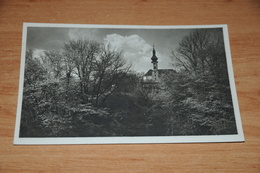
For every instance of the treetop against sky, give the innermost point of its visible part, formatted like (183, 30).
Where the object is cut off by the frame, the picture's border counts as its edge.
(136, 44)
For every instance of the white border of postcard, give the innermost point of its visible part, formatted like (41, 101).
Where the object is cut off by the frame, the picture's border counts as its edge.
(128, 140)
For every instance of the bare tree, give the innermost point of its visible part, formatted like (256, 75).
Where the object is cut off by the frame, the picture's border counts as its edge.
(110, 68)
(80, 56)
(200, 51)
(98, 67)
(201, 93)
(53, 61)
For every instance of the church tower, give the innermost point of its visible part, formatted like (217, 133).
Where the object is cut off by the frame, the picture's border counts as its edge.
(154, 59)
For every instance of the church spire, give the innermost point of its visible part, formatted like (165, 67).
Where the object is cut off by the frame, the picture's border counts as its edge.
(154, 51)
(154, 57)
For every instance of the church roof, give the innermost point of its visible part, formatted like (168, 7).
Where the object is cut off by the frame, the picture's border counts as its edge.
(160, 72)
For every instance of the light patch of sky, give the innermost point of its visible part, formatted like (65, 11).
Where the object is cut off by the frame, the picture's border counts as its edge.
(38, 53)
(135, 50)
(85, 34)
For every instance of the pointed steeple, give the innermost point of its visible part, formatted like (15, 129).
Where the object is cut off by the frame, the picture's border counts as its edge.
(154, 50)
(154, 57)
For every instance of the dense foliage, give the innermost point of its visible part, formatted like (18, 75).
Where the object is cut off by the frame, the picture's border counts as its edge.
(87, 89)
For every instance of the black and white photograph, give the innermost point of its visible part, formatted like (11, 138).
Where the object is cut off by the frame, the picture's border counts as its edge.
(123, 84)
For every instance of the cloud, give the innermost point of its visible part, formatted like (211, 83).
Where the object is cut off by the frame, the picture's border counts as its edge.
(88, 34)
(134, 48)
(137, 51)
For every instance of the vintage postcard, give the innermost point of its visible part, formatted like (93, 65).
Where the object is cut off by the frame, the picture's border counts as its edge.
(114, 84)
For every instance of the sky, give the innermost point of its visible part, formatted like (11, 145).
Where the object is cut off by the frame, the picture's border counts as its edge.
(136, 44)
